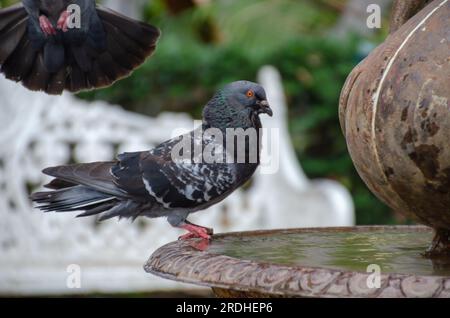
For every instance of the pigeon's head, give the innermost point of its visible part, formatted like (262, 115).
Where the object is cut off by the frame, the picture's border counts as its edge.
(247, 96)
(237, 105)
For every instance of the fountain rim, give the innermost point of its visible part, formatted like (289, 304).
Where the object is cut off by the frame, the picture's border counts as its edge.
(179, 261)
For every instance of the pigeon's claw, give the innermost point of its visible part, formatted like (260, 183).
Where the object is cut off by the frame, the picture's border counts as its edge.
(187, 236)
(209, 230)
(63, 21)
(46, 26)
(195, 231)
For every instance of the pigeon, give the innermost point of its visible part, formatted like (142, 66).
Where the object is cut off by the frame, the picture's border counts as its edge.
(173, 179)
(74, 45)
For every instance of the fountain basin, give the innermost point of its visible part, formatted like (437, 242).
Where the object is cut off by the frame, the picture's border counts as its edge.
(317, 262)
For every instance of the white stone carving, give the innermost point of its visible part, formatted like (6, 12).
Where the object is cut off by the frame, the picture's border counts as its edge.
(300, 201)
(37, 130)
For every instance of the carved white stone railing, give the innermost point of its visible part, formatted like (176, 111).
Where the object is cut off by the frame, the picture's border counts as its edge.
(36, 249)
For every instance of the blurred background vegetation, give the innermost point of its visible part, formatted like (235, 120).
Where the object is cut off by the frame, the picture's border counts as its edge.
(207, 43)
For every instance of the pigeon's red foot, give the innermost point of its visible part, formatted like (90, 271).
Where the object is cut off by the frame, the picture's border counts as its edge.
(46, 26)
(208, 230)
(196, 231)
(63, 21)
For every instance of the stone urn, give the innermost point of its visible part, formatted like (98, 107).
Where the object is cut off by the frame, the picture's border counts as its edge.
(395, 114)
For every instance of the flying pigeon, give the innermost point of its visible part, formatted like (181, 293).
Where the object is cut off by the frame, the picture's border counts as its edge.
(52, 45)
(173, 179)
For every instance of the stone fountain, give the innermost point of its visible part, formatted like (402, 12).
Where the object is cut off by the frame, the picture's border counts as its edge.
(394, 112)
(376, 261)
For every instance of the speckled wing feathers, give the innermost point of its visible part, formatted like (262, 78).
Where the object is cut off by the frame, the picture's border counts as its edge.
(172, 184)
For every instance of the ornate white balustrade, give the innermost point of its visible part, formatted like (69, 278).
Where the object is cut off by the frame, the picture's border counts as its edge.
(36, 249)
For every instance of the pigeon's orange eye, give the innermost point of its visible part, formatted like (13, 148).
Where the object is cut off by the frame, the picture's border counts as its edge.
(250, 93)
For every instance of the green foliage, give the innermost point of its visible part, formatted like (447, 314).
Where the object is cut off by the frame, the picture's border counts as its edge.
(7, 3)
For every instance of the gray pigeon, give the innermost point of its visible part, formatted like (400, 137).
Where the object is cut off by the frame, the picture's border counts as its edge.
(47, 48)
(170, 180)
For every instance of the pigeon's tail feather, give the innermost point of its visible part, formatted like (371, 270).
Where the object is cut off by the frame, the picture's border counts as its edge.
(39, 69)
(77, 80)
(18, 66)
(21, 61)
(57, 184)
(87, 187)
(77, 198)
(38, 78)
(125, 209)
(88, 200)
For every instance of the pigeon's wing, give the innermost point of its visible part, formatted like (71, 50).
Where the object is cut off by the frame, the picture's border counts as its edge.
(186, 185)
(96, 175)
(172, 183)
(115, 46)
(13, 25)
(127, 175)
(128, 44)
(142, 37)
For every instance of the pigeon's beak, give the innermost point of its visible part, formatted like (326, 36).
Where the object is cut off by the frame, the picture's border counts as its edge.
(264, 108)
